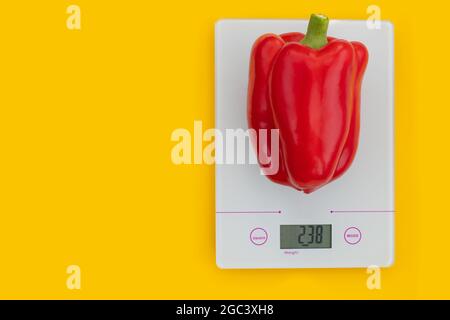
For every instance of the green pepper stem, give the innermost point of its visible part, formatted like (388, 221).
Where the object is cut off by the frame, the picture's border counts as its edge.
(316, 35)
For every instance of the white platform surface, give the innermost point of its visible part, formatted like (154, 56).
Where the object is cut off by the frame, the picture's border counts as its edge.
(365, 192)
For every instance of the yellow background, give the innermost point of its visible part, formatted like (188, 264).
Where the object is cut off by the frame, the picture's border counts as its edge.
(85, 170)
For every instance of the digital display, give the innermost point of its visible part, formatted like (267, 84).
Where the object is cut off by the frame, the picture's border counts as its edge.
(305, 236)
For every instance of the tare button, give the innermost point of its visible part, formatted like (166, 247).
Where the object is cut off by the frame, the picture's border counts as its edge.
(258, 236)
(352, 235)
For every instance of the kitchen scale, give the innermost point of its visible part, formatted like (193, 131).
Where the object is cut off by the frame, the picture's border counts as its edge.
(347, 223)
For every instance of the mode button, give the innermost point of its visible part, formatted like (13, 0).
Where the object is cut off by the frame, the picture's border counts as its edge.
(352, 235)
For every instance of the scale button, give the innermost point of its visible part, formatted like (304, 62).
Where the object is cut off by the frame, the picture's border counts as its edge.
(352, 235)
(258, 236)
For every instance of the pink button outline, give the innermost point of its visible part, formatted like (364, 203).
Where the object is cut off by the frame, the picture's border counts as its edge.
(360, 235)
(265, 232)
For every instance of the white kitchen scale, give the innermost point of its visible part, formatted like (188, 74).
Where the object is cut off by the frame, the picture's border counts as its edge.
(347, 223)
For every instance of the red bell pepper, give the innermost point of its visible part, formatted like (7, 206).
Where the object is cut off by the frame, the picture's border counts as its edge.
(308, 87)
